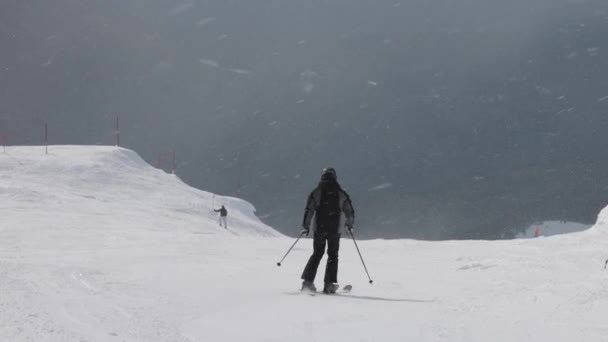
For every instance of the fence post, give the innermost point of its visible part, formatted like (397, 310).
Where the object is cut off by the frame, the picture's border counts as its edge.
(173, 162)
(46, 137)
(117, 132)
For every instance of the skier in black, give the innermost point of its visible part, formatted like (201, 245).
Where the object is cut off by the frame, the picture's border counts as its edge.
(223, 215)
(332, 209)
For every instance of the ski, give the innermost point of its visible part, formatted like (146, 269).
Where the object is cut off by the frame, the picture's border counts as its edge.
(309, 292)
(344, 289)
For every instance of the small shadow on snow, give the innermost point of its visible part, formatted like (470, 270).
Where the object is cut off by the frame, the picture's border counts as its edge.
(475, 266)
(351, 296)
(385, 299)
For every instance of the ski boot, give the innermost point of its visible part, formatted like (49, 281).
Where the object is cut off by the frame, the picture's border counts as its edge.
(330, 288)
(308, 286)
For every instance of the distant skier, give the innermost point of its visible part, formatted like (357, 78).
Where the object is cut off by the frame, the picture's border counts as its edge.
(332, 209)
(223, 216)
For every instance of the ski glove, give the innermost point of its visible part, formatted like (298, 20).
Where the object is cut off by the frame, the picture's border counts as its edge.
(349, 229)
(305, 231)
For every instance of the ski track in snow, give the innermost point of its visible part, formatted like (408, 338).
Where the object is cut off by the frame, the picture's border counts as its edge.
(96, 245)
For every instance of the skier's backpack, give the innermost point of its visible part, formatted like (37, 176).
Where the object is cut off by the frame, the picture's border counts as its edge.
(329, 211)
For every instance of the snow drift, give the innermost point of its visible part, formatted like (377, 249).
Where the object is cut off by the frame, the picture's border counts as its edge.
(91, 187)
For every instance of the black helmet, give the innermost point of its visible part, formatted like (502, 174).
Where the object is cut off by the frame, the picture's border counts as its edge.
(329, 173)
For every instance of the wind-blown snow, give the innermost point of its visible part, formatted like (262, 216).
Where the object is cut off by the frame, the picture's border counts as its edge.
(205, 22)
(381, 187)
(96, 245)
(210, 62)
(183, 8)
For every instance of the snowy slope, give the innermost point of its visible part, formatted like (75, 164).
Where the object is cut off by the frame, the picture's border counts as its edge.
(100, 186)
(95, 245)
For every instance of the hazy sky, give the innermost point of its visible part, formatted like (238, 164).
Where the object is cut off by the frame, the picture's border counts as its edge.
(444, 119)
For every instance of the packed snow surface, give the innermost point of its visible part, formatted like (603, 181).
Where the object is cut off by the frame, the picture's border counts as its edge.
(96, 245)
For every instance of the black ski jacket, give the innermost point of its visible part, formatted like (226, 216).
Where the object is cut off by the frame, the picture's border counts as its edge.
(223, 211)
(330, 206)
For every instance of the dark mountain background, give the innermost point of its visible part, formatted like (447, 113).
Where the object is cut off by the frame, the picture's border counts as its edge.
(444, 119)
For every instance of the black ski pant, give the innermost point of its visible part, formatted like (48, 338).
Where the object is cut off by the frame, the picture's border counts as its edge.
(332, 240)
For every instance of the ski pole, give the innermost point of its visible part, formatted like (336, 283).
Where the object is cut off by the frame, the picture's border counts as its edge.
(358, 251)
(292, 246)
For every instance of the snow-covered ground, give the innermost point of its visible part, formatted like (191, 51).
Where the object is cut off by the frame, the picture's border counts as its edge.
(96, 245)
